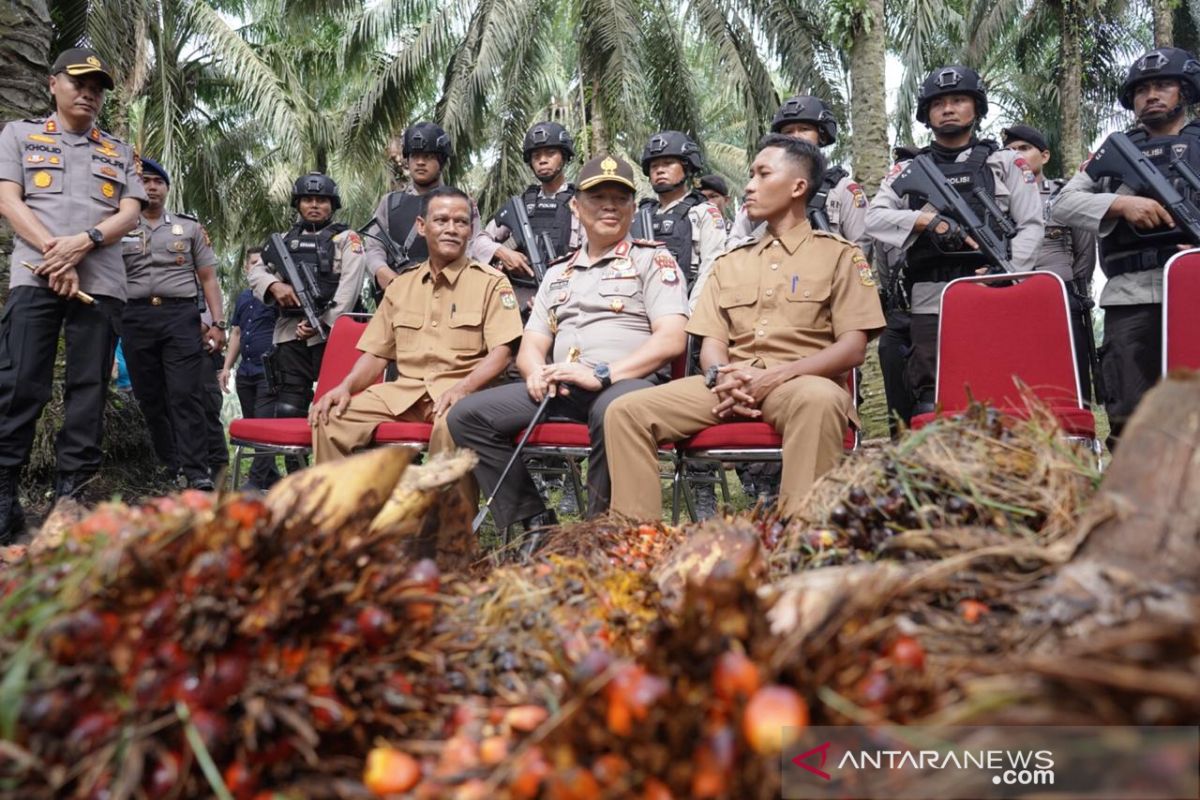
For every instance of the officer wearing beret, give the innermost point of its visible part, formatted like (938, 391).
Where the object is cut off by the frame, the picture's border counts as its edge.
(607, 320)
(1070, 253)
(70, 192)
(164, 256)
(716, 190)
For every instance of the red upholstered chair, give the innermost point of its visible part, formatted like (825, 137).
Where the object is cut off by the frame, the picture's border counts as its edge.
(292, 435)
(1181, 304)
(993, 337)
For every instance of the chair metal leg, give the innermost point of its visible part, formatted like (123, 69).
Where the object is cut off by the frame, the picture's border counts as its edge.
(577, 485)
(235, 473)
(676, 489)
(724, 483)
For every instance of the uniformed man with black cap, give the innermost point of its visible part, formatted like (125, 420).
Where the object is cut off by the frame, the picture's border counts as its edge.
(607, 320)
(1070, 253)
(426, 149)
(70, 192)
(681, 217)
(164, 256)
(952, 102)
(1136, 234)
(715, 188)
(335, 254)
(840, 204)
(548, 148)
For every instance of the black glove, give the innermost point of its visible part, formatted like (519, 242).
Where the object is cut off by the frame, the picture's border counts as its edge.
(947, 235)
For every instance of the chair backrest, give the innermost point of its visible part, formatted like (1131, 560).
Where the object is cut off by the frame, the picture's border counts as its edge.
(341, 351)
(989, 335)
(1181, 322)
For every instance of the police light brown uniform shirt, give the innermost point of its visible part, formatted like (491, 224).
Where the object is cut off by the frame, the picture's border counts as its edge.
(71, 182)
(606, 307)
(162, 256)
(349, 261)
(891, 221)
(477, 246)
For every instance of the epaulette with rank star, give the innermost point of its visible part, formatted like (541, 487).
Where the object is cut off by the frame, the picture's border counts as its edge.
(647, 243)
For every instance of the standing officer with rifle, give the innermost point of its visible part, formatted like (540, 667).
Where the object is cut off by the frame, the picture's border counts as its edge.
(536, 227)
(312, 273)
(961, 207)
(1070, 253)
(1139, 192)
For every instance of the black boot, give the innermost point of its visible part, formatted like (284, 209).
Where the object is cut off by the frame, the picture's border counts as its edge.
(12, 516)
(71, 484)
(536, 529)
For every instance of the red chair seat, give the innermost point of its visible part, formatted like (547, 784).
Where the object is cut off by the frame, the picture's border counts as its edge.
(558, 434)
(734, 435)
(1073, 421)
(396, 432)
(285, 432)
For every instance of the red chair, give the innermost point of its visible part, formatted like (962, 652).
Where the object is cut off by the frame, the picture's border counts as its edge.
(991, 339)
(1181, 323)
(292, 436)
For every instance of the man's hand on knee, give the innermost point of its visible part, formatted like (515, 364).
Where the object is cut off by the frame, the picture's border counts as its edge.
(335, 400)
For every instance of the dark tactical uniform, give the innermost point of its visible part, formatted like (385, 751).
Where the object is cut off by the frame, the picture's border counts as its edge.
(71, 182)
(1132, 259)
(161, 334)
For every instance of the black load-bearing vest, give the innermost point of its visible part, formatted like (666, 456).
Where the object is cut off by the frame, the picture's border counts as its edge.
(402, 213)
(673, 228)
(315, 248)
(833, 176)
(547, 215)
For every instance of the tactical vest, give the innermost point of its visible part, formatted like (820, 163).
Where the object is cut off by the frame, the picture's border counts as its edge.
(547, 215)
(403, 210)
(673, 228)
(315, 248)
(925, 262)
(1058, 253)
(816, 206)
(1127, 249)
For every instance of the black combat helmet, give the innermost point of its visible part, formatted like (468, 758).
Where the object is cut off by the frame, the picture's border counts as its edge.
(806, 108)
(315, 184)
(548, 134)
(672, 143)
(1163, 62)
(427, 137)
(954, 79)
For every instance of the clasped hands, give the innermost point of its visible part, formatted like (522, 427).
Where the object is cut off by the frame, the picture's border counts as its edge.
(741, 390)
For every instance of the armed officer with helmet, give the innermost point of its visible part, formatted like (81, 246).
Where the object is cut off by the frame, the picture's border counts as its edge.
(952, 102)
(395, 244)
(1137, 234)
(334, 254)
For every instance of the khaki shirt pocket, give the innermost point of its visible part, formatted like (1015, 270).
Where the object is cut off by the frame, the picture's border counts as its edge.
(406, 329)
(807, 305)
(466, 331)
(108, 184)
(622, 295)
(738, 303)
(43, 178)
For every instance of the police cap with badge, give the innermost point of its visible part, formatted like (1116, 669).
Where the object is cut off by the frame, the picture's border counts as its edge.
(606, 169)
(80, 61)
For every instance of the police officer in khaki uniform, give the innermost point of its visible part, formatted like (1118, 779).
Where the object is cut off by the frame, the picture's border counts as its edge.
(690, 227)
(1070, 253)
(70, 192)
(164, 256)
(449, 325)
(1137, 235)
(610, 318)
(840, 204)
(952, 102)
(784, 318)
(425, 149)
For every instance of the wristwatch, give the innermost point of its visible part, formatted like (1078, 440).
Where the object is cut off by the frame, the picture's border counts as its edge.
(604, 375)
(221, 325)
(96, 236)
(711, 374)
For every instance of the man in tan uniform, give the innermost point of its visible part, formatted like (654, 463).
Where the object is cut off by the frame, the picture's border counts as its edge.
(784, 317)
(449, 324)
(619, 305)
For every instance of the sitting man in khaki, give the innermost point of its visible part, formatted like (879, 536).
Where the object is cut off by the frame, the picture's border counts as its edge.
(450, 324)
(785, 316)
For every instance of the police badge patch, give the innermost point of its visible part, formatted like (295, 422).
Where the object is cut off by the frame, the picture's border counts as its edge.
(1026, 171)
(860, 197)
(865, 276)
(507, 298)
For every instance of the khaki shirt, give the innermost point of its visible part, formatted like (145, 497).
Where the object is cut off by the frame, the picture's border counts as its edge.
(846, 208)
(605, 307)
(349, 261)
(377, 255)
(161, 257)
(890, 221)
(71, 182)
(708, 241)
(495, 234)
(1082, 204)
(777, 300)
(438, 329)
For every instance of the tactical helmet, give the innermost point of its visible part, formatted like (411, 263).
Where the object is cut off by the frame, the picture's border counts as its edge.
(426, 137)
(954, 79)
(806, 108)
(548, 134)
(315, 184)
(672, 143)
(1163, 62)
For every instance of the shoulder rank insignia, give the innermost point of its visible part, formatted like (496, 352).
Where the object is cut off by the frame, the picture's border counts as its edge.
(646, 242)
(622, 249)
(51, 126)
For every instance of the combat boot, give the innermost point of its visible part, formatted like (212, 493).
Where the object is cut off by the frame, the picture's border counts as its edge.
(12, 516)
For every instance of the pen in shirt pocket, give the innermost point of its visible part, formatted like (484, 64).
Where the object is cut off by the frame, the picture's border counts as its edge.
(453, 308)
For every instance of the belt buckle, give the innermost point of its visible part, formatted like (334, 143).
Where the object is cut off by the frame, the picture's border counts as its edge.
(156, 301)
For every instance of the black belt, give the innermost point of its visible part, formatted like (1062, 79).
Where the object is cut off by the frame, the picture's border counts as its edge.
(155, 300)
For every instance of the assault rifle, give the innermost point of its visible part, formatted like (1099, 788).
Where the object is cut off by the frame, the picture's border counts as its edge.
(646, 221)
(922, 178)
(540, 250)
(397, 255)
(300, 278)
(1121, 159)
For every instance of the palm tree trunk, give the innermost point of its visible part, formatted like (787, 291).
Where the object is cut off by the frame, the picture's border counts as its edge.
(599, 133)
(24, 64)
(1163, 12)
(1070, 87)
(868, 101)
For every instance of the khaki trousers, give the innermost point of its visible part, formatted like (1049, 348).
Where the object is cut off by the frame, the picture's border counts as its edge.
(340, 436)
(810, 413)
